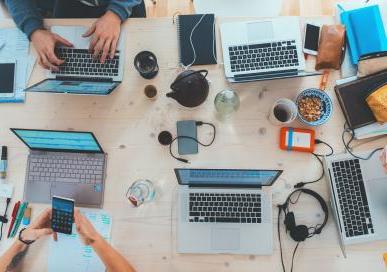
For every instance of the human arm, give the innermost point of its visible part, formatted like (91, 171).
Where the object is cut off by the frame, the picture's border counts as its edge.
(112, 259)
(37, 229)
(26, 15)
(105, 31)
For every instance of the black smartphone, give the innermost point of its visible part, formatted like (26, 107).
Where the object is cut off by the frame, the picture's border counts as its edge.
(62, 214)
(312, 37)
(7, 79)
(185, 145)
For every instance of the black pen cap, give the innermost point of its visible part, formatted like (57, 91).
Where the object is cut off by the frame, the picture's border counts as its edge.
(4, 152)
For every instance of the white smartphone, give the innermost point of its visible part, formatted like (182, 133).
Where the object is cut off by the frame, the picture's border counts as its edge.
(7, 78)
(311, 39)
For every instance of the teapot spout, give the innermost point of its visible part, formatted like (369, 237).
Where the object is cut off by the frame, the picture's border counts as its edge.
(171, 95)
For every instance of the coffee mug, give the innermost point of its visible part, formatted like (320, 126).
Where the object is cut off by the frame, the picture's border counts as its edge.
(150, 92)
(283, 112)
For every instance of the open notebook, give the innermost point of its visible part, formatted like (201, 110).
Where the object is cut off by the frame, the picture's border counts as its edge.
(70, 247)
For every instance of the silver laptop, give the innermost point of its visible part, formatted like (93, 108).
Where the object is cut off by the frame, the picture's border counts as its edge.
(81, 73)
(225, 211)
(358, 197)
(69, 164)
(262, 50)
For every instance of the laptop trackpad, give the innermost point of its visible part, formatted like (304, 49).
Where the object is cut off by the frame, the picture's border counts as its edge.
(257, 31)
(225, 239)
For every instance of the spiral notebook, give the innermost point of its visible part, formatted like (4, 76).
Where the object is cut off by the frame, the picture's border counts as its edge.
(202, 28)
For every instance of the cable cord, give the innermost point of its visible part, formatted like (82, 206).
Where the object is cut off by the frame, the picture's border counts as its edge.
(279, 237)
(3, 219)
(351, 139)
(294, 253)
(198, 123)
(185, 67)
(317, 156)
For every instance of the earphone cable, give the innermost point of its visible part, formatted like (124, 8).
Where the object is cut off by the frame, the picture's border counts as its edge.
(279, 237)
(294, 253)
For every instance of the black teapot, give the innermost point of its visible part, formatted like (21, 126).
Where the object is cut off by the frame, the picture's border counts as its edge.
(190, 88)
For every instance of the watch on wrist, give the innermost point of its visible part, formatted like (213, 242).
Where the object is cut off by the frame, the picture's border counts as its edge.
(26, 242)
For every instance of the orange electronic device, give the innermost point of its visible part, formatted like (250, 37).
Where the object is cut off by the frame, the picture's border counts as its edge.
(297, 139)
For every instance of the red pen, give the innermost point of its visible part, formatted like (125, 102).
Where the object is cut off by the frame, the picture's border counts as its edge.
(14, 213)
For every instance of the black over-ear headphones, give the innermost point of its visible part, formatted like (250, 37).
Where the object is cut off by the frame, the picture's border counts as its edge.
(300, 233)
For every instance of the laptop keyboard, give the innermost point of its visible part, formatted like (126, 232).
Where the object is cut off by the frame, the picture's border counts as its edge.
(352, 198)
(66, 169)
(225, 208)
(81, 62)
(263, 56)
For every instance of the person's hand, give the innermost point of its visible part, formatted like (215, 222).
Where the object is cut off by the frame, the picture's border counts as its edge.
(40, 227)
(85, 229)
(383, 158)
(44, 42)
(106, 32)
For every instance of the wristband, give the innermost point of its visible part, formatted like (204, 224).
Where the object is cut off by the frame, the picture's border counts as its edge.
(26, 242)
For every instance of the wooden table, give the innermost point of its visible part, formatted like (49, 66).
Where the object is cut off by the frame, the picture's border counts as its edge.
(127, 125)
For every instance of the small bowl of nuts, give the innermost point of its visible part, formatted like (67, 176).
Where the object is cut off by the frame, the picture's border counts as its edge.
(314, 107)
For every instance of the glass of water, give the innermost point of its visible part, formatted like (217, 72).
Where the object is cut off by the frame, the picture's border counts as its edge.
(141, 191)
(226, 102)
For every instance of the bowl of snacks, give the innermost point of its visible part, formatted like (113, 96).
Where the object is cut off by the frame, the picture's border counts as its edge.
(314, 107)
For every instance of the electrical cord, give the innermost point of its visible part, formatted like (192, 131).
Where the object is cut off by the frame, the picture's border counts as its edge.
(294, 253)
(279, 237)
(317, 156)
(192, 45)
(351, 139)
(4, 219)
(198, 123)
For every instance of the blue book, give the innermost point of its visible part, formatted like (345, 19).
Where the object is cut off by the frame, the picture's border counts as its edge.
(365, 31)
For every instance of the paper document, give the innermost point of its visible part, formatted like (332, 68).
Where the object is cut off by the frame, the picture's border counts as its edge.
(16, 47)
(371, 130)
(69, 254)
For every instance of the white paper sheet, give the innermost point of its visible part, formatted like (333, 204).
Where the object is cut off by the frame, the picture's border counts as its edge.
(69, 247)
(16, 47)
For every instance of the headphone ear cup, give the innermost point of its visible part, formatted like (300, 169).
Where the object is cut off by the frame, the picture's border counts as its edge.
(299, 233)
(290, 222)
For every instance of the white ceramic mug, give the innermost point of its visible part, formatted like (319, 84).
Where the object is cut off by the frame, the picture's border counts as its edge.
(283, 112)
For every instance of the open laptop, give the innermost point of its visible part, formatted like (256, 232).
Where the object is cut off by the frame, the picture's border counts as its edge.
(358, 197)
(262, 50)
(81, 73)
(69, 164)
(225, 211)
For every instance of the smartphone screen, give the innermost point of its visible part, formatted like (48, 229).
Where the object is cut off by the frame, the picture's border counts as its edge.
(62, 214)
(312, 34)
(7, 78)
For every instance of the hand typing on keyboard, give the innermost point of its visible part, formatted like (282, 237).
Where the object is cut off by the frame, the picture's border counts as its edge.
(44, 42)
(383, 158)
(105, 31)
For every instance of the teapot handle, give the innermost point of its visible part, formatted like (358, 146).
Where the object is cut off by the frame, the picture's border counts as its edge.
(195, 72)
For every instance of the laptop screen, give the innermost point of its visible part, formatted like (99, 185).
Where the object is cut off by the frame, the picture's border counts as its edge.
(227, 177)
(59, 140)
(74, 87)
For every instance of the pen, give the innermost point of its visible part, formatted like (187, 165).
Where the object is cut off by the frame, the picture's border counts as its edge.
(14, 213)
(19, 218)
(3, 162)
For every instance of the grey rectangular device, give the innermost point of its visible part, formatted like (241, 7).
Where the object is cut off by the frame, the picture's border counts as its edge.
(70, 164)
(358, 197)
(187, 128)
(262, 50)
(225, 211)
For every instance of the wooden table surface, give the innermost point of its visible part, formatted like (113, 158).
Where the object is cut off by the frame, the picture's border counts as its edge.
(127, 125)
